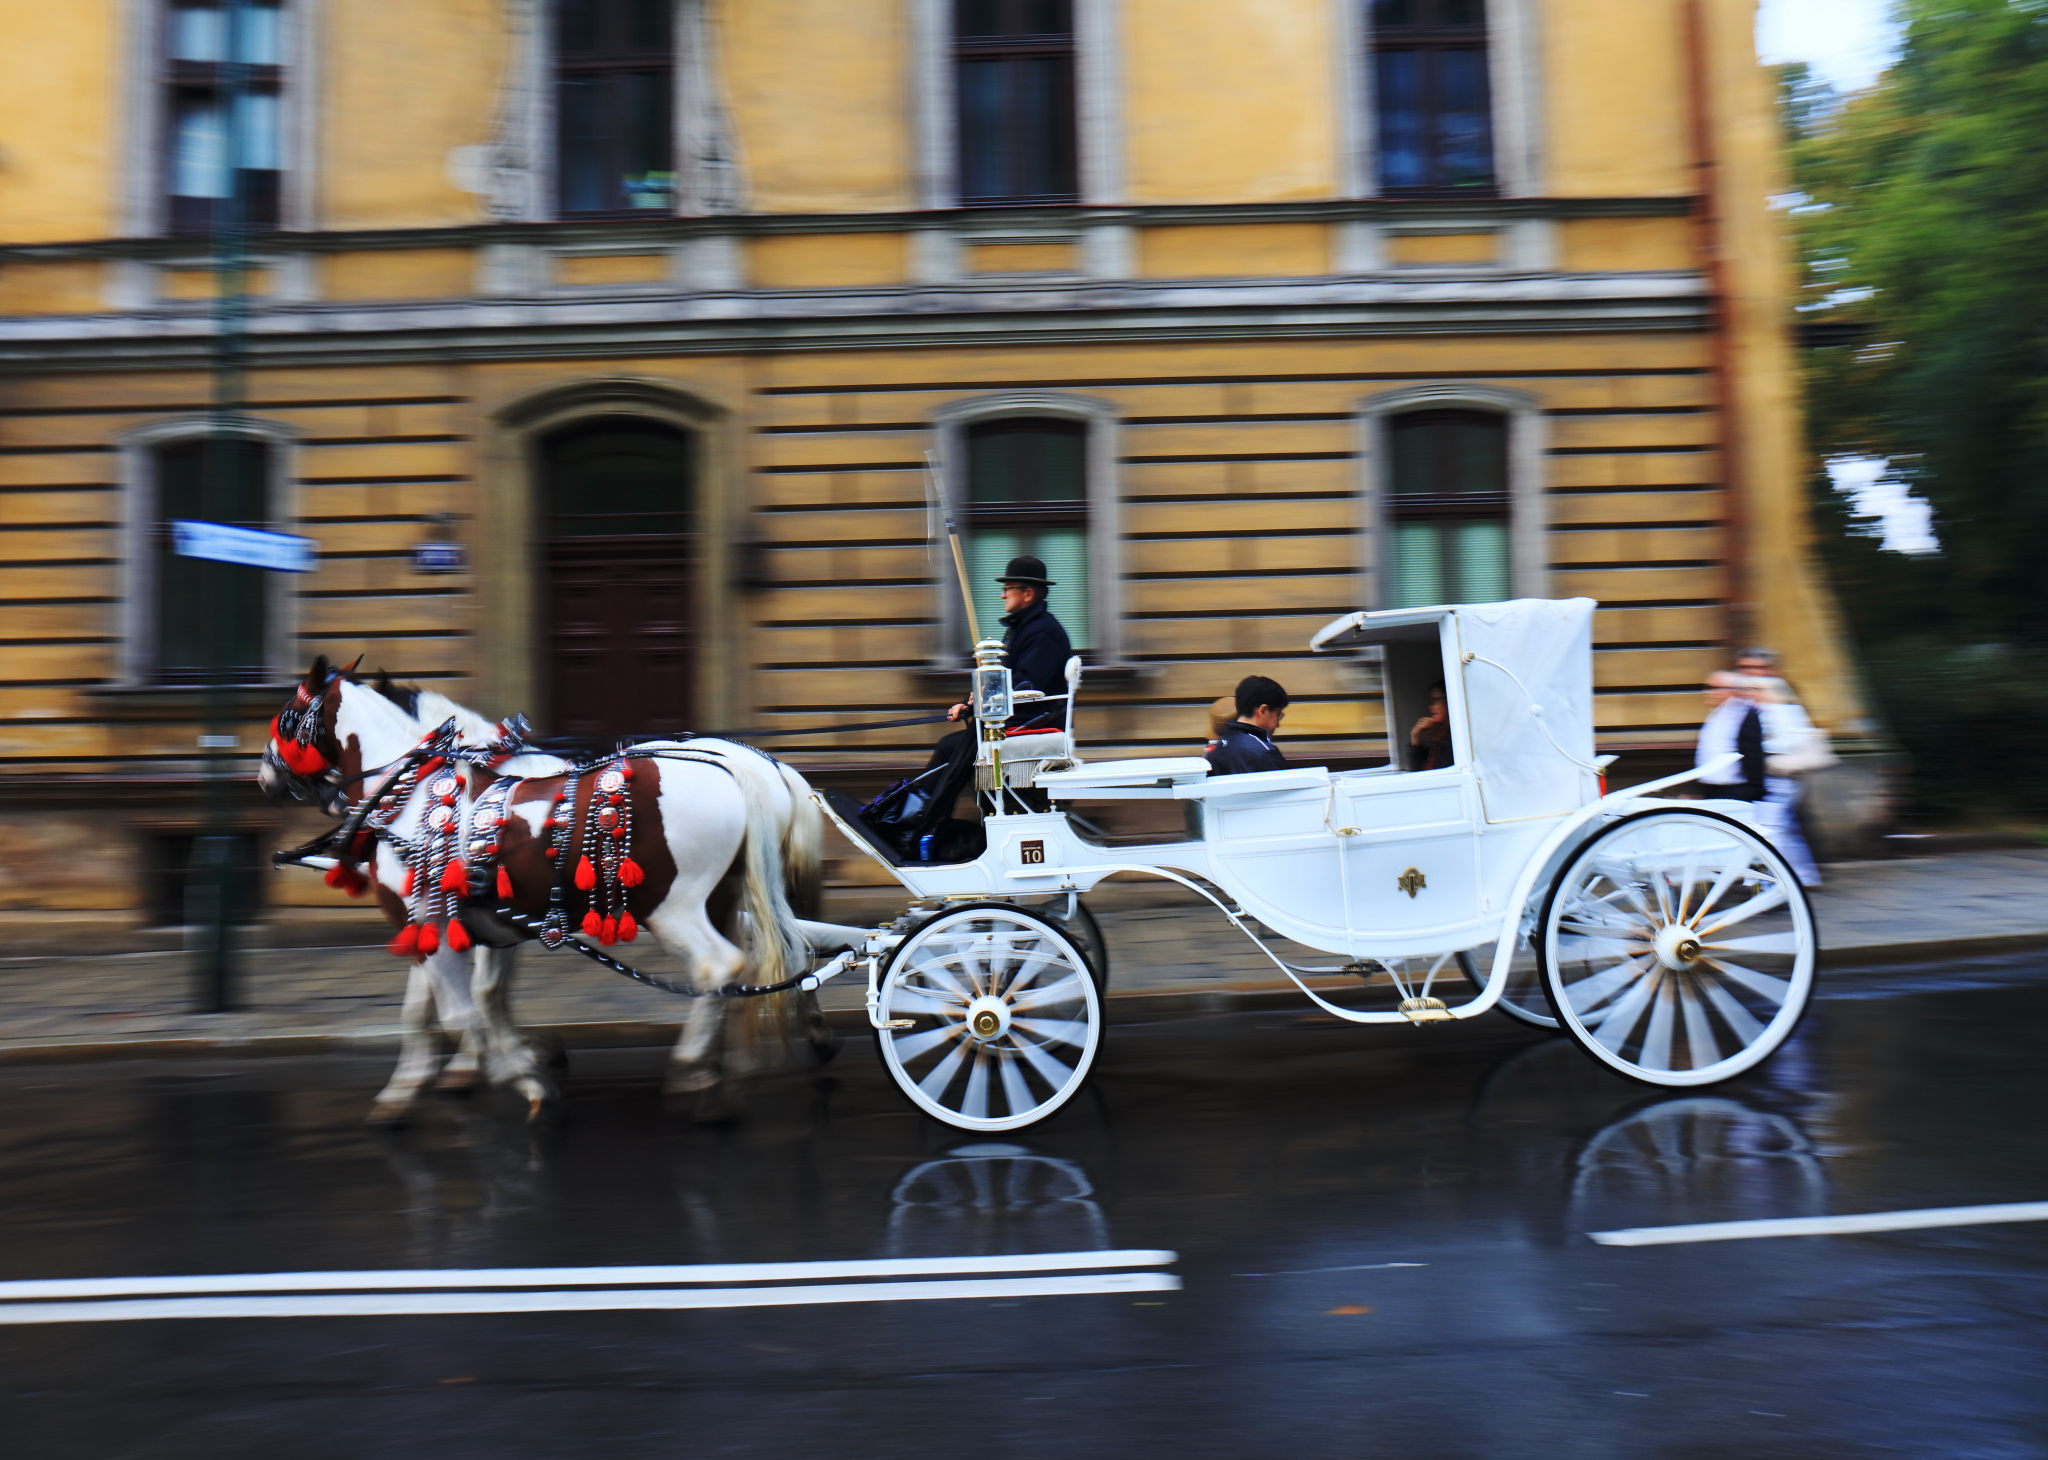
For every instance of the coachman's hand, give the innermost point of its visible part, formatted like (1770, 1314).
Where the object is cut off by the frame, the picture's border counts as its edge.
(955, 712)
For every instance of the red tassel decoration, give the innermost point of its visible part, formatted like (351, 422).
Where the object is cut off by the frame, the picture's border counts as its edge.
(430, 939)
(630, 874)
(458, 936)
(407, 943)
(628, 929)
(504, 884)
(411, 876)
(455, 879)
(592, 925)
(586, 875)
(339, 874)
(608, 932)
(626, 769)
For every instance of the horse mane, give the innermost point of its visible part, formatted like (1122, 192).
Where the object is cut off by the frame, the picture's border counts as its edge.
(405, 696)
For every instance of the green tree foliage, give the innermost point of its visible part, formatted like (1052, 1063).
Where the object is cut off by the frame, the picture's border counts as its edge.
(1926, 226)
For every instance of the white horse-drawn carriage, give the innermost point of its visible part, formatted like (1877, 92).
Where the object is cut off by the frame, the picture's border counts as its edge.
(1670, 940)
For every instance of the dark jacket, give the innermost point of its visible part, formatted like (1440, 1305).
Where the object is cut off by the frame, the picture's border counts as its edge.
(1243, 748)
(1037, 650)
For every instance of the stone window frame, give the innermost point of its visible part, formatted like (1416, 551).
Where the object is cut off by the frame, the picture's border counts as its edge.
(136, 457)
(949, 424)
(1514, 74)
(1098, 103)
(1528, 438)
(142, 198)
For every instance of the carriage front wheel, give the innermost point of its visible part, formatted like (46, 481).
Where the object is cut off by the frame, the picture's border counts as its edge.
(1004, 1020)
(1677, 947)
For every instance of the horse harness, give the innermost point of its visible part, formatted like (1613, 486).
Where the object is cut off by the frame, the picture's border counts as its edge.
(453, 864)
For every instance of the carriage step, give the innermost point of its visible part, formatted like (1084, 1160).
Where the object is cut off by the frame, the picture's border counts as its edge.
(1424, 1011)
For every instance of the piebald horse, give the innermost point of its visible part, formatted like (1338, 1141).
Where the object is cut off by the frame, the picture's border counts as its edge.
(704, 837)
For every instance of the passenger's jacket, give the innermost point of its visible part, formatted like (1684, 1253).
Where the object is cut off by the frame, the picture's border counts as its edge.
(1243, 748)
(1036, 650)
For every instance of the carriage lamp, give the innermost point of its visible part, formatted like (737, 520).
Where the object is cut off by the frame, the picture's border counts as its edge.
(992, 695)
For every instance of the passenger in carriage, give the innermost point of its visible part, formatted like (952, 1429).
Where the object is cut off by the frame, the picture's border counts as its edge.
(1246, 743)
(1429, 741)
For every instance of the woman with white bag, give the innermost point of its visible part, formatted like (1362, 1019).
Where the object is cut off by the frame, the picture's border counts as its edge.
(1793, 746)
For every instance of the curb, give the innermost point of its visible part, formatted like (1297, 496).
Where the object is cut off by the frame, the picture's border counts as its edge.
(1140, 1007)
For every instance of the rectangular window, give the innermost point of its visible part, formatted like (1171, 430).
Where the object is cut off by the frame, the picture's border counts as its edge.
(1435, 105)
(1014, 87)
(614, 107)
(1447, 509)
(1027, 493)
(194, 593)
(217, 147)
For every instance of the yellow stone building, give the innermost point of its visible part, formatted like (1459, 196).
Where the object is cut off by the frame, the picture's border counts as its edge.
(676, 319)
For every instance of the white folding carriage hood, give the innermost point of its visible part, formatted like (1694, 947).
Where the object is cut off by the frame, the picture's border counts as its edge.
(1525, 669)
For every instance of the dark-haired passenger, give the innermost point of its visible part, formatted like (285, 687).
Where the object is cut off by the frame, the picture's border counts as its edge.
(1246, 743)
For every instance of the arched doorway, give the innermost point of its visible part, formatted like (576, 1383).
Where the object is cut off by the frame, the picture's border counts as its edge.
(618, 550)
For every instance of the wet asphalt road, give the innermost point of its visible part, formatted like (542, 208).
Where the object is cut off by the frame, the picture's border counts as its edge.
(1286, 1159)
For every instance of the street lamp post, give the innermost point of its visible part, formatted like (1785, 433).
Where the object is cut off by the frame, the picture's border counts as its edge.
(214, 870)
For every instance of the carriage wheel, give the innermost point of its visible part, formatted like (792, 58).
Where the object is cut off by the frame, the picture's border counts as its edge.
(1005, 1018)
(1087, 935)
(1678, 948)
(1523, 998)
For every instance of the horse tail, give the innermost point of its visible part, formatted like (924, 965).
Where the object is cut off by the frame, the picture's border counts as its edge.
(779, 948)
(803, 847)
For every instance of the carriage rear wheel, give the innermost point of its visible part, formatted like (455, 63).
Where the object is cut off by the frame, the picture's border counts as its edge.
(1522, 999)
(1004, 1017)
(1677, 948)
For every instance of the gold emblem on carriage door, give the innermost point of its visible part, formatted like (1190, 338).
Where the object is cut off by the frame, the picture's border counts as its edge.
(1031, 854)
(1411, 882)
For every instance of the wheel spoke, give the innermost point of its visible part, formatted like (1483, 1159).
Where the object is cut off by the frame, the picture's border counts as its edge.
(909, 1046)
(1037, 961)
(1657, 1040)
(1777, 990)
(1685, 881)
(941, 1074)
(934, 969)
(1053, 993)
(1763, 902)
(1738, 1019)
(1049, 1069)
(911, 1000)
(1699, 1029)
(974, 1102)
(1602, 986)
(1787, 943)
(1635, 933)
(1066, 1031)
(1720, 888)
(1015, 1089)
(1618, 1021)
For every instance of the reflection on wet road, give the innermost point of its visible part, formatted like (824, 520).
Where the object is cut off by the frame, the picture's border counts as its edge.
(1256, 1235)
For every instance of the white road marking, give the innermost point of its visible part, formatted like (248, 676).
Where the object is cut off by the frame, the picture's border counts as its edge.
(2013, 1211)
(1358, 1267)
(383, 1305)
(576, 1277)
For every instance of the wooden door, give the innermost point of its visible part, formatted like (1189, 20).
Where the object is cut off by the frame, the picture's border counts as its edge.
(618, 562)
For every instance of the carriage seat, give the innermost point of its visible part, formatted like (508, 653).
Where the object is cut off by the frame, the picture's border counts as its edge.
(1027, 754)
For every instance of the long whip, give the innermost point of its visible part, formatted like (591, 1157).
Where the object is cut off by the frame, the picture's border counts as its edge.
(931, 474)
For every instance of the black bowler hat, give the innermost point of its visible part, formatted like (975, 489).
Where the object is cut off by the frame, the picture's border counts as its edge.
(1026, 569)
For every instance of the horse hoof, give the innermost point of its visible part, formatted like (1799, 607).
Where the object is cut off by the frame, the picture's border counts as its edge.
(389, 1117)
(459, 1084)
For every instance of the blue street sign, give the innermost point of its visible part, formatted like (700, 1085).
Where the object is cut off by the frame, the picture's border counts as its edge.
(278, 551)
(438, 557)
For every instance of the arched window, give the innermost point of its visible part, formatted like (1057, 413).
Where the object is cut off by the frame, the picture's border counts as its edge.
(1447, 509)
(1027, 492)
(210, 622)
(618, 549)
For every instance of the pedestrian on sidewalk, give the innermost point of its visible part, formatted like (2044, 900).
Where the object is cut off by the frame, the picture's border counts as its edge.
(1246, 743)
(1788, 741)
(1735, 724)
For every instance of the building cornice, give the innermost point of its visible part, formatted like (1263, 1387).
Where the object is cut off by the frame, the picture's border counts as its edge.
(983, 314)
(664, 231)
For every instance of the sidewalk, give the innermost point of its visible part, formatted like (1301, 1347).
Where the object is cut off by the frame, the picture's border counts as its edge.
(1168, 954)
